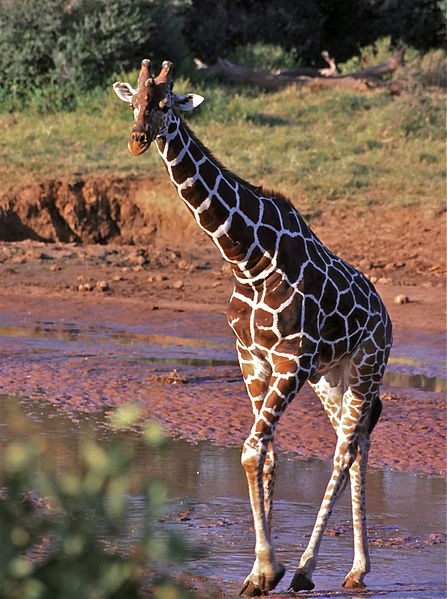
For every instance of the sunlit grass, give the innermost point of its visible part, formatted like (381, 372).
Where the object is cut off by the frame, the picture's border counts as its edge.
(320, 149)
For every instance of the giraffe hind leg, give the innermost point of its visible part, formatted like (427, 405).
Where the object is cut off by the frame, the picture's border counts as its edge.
(361, 564)
(351, 423)
(365, 375)
(331, 394)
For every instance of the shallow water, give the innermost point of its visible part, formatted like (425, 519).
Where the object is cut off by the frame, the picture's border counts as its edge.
(207, 483)
(418, 362)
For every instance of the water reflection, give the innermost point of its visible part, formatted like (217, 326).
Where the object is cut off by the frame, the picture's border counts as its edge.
(415, 381)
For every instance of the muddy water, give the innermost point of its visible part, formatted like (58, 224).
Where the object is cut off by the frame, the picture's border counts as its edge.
(417, 361)
(207, 484)
(208, 503)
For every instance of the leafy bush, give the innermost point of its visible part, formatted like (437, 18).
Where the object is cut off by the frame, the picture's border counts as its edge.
(215, 29)
(65, 547)
(264, 57)
(67, 47)
(50, 54)
(367, 56)
(309, 26)
(428, 70)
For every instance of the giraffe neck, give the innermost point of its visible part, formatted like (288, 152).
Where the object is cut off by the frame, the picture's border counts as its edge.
(224, 206)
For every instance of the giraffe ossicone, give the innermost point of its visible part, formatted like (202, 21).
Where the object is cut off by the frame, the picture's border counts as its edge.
(299, 313)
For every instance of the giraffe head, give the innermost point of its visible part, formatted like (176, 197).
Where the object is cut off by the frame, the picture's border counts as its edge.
(152, 102)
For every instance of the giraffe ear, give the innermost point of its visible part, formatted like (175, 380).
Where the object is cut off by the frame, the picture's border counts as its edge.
(124, 91)
(187, 102)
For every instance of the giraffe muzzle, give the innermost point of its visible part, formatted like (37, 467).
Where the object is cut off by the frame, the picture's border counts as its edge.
(138, 143)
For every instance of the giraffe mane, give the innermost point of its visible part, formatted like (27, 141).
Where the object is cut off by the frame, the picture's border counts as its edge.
(257, 189)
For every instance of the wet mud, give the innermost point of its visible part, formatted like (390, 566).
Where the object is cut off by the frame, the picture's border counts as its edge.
(95, 361)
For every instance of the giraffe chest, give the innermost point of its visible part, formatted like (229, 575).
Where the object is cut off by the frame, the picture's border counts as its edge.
(262, 319)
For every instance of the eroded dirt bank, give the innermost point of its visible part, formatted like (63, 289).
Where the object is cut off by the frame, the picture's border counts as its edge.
(152, 273)
(90, 210)
(399, 245)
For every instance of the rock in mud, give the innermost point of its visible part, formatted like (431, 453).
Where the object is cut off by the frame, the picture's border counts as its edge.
(401, 299)
(173, 378)
(102, 286)
(85, 287)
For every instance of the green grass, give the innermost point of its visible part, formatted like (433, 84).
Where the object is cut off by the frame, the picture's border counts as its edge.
(320, 149)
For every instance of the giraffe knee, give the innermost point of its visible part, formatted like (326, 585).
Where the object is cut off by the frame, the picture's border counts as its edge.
(269, 464)
(251, 456)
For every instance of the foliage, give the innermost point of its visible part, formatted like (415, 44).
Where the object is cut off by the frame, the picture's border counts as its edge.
(216, 32)
(48, 56)
(309, 26)
(264, 57)
(51, 524)
(427, 70)
(369, 55)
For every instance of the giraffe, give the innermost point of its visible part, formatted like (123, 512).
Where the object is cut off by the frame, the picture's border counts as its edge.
(299, 313)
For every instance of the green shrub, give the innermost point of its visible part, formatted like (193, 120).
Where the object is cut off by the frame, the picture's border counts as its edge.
(264, 57)
(51, 53)
(309, 26)
(64, 47)
(59, 533)
(369, 55)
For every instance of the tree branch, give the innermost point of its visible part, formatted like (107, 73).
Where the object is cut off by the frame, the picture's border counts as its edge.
(363, 80)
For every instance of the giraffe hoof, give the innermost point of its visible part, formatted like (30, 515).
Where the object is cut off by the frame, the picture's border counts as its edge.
(301, 582)
(249, 589)
(353, 582)
(262, 585)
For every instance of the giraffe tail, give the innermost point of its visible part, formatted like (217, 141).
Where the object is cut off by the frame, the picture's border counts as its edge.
(376, 410)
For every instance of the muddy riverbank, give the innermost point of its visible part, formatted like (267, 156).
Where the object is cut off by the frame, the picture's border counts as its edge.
(90, 326)
(90, 353)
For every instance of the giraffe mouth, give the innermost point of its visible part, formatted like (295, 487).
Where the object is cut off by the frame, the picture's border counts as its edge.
(138, 143)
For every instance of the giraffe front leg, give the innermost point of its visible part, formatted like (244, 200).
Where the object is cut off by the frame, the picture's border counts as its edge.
(260, 470)
(266, 571)
(269, 477)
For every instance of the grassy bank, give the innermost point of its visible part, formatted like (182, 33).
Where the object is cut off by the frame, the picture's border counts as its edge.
(321, 149)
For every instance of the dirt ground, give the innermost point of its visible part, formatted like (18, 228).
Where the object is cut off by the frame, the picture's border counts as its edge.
(173, 277)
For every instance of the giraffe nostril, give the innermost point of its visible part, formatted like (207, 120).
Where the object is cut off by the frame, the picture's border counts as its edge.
(138, 142)
(139, 137)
